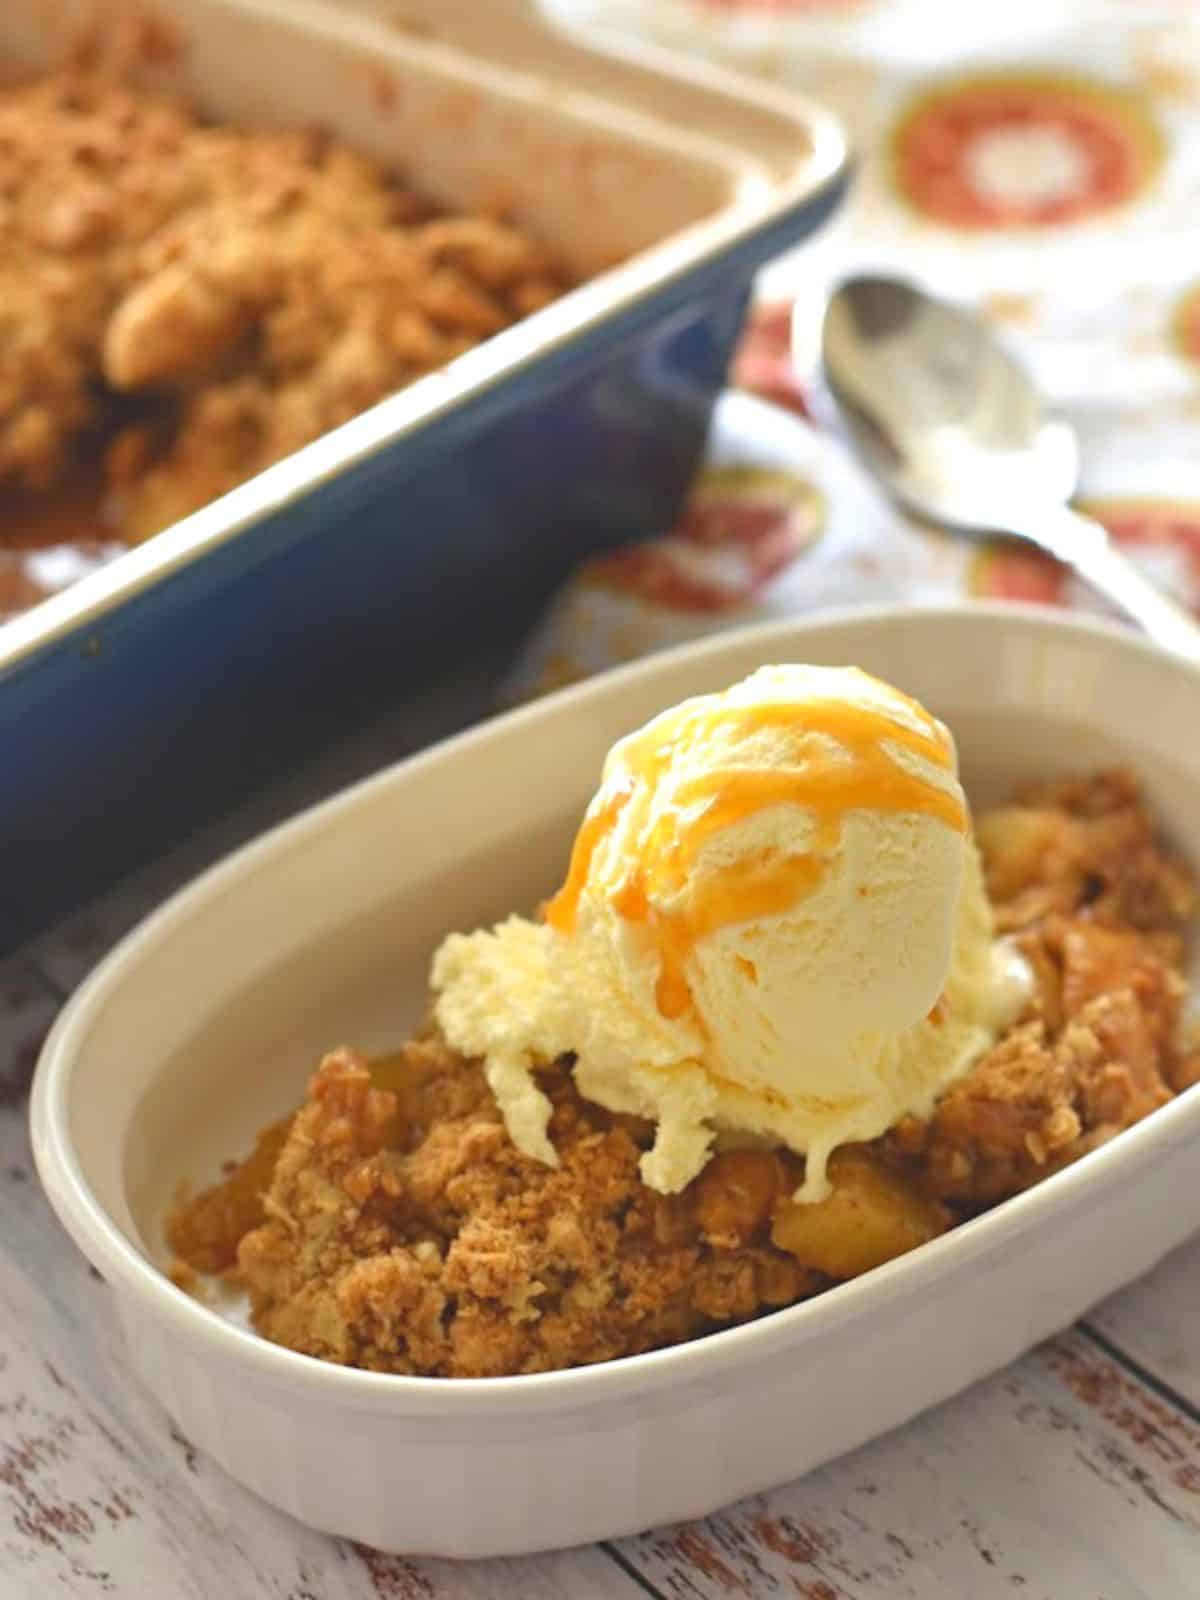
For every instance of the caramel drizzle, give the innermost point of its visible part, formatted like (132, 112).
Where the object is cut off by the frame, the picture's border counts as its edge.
(862, 776)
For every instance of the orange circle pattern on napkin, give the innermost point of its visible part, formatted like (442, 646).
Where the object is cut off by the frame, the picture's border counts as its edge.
(1041, 162)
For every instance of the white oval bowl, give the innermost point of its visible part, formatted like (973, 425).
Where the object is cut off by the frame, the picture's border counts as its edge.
(203, 1024)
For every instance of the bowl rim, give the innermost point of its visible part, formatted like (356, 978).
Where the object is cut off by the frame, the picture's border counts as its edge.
(933, 1269)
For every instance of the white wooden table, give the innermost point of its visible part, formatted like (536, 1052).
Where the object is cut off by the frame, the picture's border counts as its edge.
(1074, 1475)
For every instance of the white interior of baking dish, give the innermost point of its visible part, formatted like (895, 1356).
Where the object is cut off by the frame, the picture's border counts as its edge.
(601, 158)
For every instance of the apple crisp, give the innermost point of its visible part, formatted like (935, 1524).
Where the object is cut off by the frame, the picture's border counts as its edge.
(391, 1224)
(185, 303)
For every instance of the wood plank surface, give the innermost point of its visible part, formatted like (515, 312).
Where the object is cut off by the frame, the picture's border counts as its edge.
(1156, 1323)
(1062, 1477)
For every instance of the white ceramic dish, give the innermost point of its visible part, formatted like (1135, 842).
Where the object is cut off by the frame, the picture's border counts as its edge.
(203, 1024)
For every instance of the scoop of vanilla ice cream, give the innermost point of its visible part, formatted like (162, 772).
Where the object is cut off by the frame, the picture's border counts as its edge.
(774, 925)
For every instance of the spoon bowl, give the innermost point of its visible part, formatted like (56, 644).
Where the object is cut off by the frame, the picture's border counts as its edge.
(953, 426)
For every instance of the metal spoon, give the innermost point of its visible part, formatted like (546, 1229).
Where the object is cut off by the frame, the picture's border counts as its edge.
(954, 428)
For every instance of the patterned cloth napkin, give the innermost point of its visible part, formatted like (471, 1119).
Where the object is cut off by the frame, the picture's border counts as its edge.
(1040, 159)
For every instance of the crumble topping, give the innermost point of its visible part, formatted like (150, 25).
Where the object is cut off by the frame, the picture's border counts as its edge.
(391, 1224)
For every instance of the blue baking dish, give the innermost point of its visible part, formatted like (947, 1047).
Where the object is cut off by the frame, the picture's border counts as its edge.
(159, 691)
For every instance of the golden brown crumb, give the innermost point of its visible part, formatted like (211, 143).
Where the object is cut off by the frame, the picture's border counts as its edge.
(185, 1278)
(1099, 905)
(257, 288)
(1185, 1072)
(401, 1230)
(204, 1231)
(429, 1244)
(1083, 845)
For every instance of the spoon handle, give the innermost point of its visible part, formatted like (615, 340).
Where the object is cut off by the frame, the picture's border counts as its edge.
(1082, 543)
